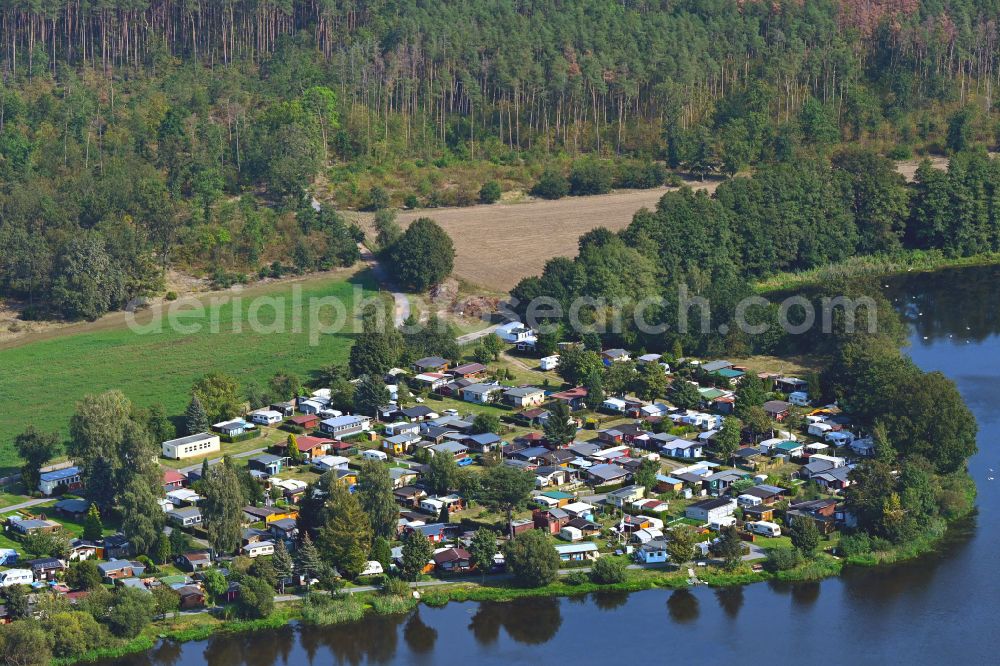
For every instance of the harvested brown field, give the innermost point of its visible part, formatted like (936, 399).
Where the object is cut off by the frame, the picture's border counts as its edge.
(498, 245)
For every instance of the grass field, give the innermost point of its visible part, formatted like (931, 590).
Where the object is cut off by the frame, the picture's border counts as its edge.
(41, 381)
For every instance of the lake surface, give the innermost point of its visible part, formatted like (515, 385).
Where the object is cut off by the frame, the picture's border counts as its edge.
(941, 608)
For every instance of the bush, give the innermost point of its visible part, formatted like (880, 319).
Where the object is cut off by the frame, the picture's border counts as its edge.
(854, 544)
(378, 198)
(490, 192)
(395, 587)
(673, 180)
(608, 570)
(589, 177)
(641, 176)
(552, 185)
(411, 201)
(322, 609)
(171, 296)
(782, 559)
(900, 152)
(576, 578)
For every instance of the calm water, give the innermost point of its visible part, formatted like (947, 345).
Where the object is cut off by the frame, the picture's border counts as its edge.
(944, 607)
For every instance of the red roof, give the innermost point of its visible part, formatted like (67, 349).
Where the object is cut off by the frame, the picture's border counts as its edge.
(451, 555)
(306, 442)
(303, 419)
(570, 394)
(172, 476)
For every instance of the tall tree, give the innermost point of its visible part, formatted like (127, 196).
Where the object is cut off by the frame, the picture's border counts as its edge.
(374, 492)
(483, 549)
(727, 440)
(36, 448)
(370, 394)
(220, 396)
(532, 559)
(93, 528)
(222, 508)
(559, 428)
(417, 552)
(423, 256)
(442, 474)
(142, 516)
(195, 418)
(346, 538)
(506, 489)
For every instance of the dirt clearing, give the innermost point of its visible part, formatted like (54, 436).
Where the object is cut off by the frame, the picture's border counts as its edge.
(498, 245)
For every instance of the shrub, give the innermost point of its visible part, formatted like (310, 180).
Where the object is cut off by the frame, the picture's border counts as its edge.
(378, 198)
(641, 175)
(171, 296)
(674, 180)
(395, 587)
(322, 609)
(576, 578)
(490, 192)
(782, 559)
(552, 185)
(589, 177)
(855, 544)
(411, 201)
(900, 152)
(608, 570)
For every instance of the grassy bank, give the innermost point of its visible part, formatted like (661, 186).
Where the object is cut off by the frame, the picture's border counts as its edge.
(873, 266)
(160, 366)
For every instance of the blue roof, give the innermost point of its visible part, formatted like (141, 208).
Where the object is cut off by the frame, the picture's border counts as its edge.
(342, 420)
(485, 438)
(60, 474)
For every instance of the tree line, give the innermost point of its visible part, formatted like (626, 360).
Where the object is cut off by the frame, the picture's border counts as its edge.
(789, 216)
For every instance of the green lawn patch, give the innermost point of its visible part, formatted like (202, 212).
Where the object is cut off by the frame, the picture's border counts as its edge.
(160, 367)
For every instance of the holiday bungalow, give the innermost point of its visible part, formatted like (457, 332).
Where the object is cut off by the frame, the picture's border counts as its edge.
(345, 426)
(59, 481)
(524, 396)
(578, 552)
(777, 409)
(468, 371)
(232, 428)
(575, 398)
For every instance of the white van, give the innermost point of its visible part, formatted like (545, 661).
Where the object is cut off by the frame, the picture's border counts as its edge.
(372, 568)
(374, 454)
(724, 521)
(765, 528)
(16, 577)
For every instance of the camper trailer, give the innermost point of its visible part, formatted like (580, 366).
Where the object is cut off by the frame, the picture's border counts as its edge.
(13, 577)
(765, 528)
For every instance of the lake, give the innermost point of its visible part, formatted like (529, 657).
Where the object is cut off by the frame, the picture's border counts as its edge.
(939, 608)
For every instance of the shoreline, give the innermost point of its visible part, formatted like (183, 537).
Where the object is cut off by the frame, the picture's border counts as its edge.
(911, 261)
(289, 612)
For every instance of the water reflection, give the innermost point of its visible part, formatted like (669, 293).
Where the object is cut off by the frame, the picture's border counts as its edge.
(958, 305)
(374, 640)
(683, 606)
(530, 621)
(418, 636)
(223, 650)
(609, 600)
(730, 600)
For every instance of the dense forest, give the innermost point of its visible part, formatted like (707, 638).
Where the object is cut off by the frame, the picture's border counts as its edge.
(790, 216)
(138, 135)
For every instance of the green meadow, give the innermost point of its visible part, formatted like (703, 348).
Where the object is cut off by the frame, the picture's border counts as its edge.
(41, 381)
